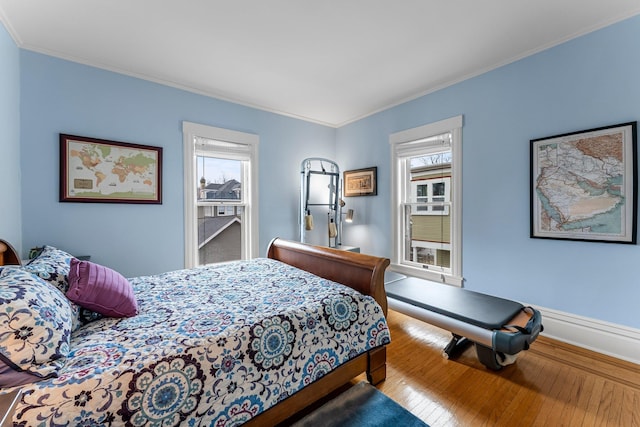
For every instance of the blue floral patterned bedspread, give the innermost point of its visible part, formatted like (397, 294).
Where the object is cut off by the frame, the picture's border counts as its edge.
(210, 346)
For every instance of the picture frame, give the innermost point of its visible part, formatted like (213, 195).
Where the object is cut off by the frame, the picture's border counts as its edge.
(103, 171)
(361, 182)
(584, 185)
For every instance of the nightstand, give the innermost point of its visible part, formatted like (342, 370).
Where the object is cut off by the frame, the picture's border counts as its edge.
(8, 403)
(348, 248)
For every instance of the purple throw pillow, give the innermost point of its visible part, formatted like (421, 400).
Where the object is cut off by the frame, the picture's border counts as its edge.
(101, 289)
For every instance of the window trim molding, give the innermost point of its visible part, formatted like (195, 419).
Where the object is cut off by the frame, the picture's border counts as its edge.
(398, 193)
(189, 132)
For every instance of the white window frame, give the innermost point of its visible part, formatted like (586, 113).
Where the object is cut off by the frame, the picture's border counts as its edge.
(413, 142)
(250, 235)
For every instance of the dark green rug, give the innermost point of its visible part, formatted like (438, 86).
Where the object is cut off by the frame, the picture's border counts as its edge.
(361, 406)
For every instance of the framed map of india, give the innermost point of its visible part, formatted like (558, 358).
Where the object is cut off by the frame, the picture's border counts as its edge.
(98, 170)
(584, 185)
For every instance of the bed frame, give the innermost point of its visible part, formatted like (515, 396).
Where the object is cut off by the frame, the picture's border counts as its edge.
(8, 255)
(364, 273)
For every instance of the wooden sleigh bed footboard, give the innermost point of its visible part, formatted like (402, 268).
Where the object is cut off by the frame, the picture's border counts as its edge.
(364, 273)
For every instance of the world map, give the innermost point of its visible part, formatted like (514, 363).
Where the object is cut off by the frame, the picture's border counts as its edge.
(106, 170)
(580, 185)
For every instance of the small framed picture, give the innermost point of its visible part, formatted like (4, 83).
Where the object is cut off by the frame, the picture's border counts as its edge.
(361, 182)
(102, 171)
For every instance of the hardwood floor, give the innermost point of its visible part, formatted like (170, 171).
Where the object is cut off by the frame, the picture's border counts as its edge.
(552, 384)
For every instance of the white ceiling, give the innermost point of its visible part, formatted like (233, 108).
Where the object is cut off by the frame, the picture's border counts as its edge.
(326, 61)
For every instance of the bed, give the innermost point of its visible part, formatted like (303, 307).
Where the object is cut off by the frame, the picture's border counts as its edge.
(250, 342)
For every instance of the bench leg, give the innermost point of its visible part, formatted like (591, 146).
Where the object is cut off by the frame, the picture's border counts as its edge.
(455, 347)
(488, 357)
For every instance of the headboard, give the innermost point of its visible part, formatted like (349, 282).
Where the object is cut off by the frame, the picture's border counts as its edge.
(8, 255)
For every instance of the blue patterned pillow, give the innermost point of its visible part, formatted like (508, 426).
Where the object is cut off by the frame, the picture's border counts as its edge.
(35, 324)
(53, 265)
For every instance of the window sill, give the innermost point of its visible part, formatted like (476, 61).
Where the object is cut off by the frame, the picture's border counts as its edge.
(433, 276)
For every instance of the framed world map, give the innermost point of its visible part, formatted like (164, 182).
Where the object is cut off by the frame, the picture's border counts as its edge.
(584, 185)
(98, 170)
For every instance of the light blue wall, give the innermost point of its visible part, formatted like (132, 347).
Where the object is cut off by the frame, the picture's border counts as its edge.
(10, 221)
(588, 82)
(59, 96)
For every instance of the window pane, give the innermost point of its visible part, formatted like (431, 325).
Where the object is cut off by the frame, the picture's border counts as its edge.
(219, 225)
(219, 179)
(427, 239)
(219, 237)
(435, 159)
(427, 220)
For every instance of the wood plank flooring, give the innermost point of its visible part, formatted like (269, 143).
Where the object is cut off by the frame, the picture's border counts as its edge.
(552, 384)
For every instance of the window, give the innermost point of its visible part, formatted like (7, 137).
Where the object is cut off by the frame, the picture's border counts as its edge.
(221, 202)
(426, 198)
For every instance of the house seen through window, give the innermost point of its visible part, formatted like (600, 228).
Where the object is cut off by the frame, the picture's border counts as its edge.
(428, 210)
(220, 209)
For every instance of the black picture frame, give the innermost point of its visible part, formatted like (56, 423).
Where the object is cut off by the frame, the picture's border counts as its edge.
(96, 170)
(584, 185)
(361, 182)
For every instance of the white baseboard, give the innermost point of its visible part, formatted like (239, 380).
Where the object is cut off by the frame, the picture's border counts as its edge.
(613, 340)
